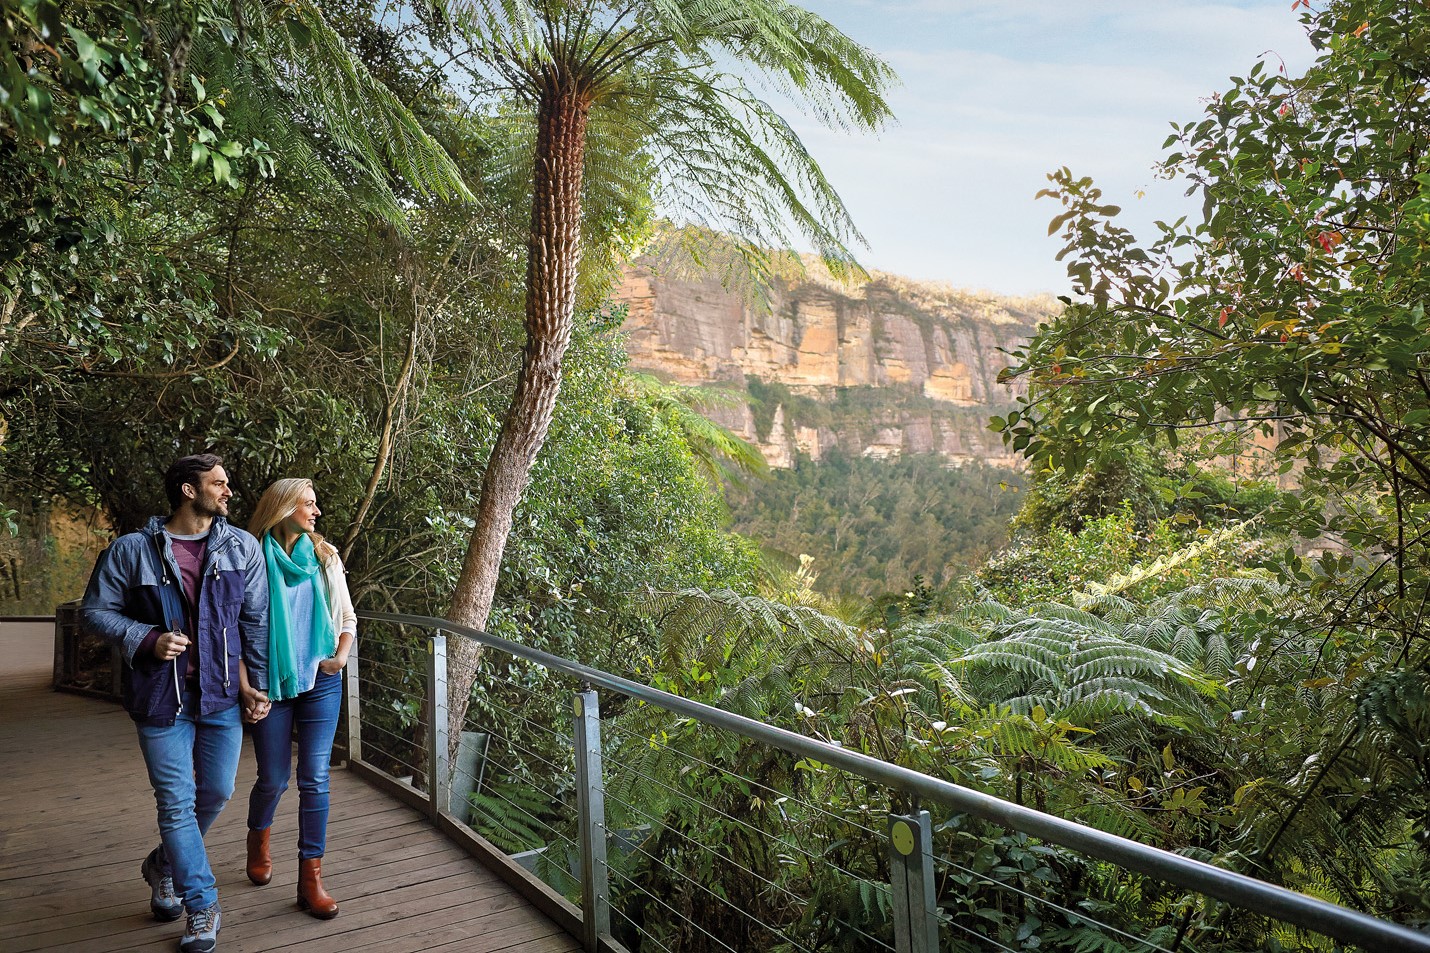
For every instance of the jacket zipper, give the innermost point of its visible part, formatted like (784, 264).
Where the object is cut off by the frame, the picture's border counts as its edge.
(214, 576)
(178, 691)
(164, 573)
(164, 581)
(178, 695)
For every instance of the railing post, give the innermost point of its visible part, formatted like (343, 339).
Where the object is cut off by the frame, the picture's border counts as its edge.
(439, 775)
(911, 874)
(591, 809)
(58, 674)
(350, 690)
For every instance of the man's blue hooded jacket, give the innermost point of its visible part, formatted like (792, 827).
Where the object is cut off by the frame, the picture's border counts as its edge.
(135, 588)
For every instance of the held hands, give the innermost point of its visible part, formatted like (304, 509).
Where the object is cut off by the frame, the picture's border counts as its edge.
(255, 704)
(170, 646)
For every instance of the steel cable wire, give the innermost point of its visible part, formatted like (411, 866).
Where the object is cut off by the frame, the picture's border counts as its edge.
(390, 694)
(538, 728)
(554, 832)
(1053, 904)
(738, 866)
(540, 790)
(1241, 891)
(554, 799)
(755, 830)
(646, 937)
(365, 661)
(674, 912)
(974, 933)
(647, 740)
(377, 744)
(559, 769)
(747, 915)
(492, 677)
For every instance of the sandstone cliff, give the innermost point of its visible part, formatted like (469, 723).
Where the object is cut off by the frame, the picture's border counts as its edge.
(888, 368)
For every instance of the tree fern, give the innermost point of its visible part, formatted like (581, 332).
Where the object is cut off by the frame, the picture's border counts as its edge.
(311, 90)
(512, 815)
(719, 453)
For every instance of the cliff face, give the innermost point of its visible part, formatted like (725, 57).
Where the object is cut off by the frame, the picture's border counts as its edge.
(892, 367)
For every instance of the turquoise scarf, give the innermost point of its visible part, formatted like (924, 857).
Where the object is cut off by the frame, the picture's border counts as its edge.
(285, 573)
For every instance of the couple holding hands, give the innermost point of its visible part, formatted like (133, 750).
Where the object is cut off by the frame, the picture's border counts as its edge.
(217, 627)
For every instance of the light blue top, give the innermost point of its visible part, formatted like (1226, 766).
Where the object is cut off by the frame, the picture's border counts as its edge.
(305, 657)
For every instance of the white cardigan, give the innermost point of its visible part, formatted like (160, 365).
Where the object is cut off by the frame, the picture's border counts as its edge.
(340, 602)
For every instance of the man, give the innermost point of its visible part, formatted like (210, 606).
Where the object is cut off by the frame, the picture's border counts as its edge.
(186, 599)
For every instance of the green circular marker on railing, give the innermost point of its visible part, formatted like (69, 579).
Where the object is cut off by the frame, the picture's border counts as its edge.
(580, 705)
(903, 837)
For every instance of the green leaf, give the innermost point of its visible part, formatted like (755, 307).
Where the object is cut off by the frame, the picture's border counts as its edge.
(302, 37)
(86, 49)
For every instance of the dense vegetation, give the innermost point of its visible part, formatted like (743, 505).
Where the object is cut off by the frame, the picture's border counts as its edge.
(287, 233)
(875, 526)
(316, 305)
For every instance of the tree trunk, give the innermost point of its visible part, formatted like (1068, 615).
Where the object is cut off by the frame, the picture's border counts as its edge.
(385, 441)
(553, 254)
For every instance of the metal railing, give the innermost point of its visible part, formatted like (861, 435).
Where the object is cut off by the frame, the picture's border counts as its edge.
(625, 808)
(599, 821)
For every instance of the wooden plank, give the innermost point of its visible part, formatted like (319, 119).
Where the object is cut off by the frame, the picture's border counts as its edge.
(77, 816)
(471, 920)
(418, 861)
(420, 900)
(559, 942)
(79, 859)
(80, 931)
(226, 853)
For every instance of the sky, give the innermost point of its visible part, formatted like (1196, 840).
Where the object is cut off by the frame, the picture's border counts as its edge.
(994, 95)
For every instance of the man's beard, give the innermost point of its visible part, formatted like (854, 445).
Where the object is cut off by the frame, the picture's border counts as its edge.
(210, 507)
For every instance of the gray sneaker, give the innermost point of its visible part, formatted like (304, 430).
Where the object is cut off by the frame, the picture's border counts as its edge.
(201, 934)
(163, 902)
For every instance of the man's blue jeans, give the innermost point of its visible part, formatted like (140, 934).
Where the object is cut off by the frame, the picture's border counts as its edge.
(192, 764)
(315, 713)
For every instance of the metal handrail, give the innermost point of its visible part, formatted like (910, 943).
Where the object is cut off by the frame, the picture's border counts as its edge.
(1252, 894)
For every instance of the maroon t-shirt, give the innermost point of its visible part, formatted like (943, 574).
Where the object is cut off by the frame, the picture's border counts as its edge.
(189, 554)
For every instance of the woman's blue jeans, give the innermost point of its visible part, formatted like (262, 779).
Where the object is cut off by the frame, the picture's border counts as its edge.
(315, 714)
(192, 764)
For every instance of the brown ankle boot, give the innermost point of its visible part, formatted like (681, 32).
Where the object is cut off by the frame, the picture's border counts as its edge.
(311, 895)
(260, 864)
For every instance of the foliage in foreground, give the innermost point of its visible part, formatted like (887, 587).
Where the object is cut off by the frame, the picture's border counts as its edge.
(1196, 716)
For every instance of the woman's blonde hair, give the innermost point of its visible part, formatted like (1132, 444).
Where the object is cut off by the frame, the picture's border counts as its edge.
(278, 503)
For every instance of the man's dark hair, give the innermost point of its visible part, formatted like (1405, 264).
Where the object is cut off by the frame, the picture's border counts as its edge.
(187, 470)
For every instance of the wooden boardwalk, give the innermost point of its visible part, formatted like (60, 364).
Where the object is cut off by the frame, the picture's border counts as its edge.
(77, 816)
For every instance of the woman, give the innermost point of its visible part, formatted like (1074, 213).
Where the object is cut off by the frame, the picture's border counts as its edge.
(311, 629)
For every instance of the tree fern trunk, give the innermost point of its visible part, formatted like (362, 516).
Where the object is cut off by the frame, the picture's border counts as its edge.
(554, 252)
